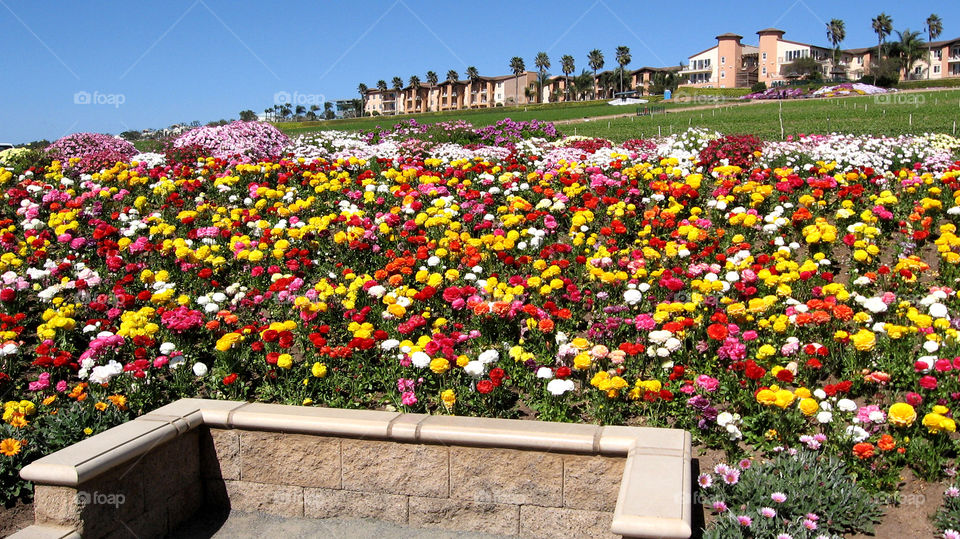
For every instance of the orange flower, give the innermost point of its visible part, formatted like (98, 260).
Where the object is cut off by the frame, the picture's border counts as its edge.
(863, 450)
(886, 443)
(545, 325)
(481, 308)
(213, 325)
(395, 280)
(10, 446)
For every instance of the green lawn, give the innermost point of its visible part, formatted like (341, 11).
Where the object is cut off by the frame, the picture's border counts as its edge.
(935, 112)
(478, 117)
(894, 114)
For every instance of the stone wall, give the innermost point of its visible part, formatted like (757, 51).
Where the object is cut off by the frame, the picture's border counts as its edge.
(493, 490)
(146, 497)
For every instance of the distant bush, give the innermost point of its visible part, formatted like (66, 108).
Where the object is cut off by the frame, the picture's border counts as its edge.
(758, 87)
(93, 151)
(932, 83)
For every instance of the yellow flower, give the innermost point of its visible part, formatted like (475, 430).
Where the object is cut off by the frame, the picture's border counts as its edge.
(439, 365)
(864, 340)
(319, 370)
(901, 414)
(100, 406)
(784, 398)
(449, 398)
(809, 406)
(307, 402)
(582, 361)
(936, 423)
(226, 342)
(10, 446)
(285, 361)
(766, 397)
(88, 431)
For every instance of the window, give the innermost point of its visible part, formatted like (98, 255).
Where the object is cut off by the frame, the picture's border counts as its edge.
(723, 74)
(764, 57)
(764, 71)
(936, 69)
(723, 60)
(917, 70)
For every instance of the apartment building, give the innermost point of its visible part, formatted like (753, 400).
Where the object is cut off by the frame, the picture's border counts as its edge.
(485, 92)
(732, 64)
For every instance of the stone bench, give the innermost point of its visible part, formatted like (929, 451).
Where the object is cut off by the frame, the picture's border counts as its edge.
(529, 478)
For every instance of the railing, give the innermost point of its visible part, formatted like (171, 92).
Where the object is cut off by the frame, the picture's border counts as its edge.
(650, 111)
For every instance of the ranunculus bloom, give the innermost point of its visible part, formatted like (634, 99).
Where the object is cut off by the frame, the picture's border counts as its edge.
(901, 414)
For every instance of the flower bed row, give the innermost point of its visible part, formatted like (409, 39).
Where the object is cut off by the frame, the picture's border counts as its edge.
(690, 282)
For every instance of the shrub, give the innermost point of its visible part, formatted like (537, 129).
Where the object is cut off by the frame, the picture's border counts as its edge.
(758, 87)
(804, 494)
(237, 140)
(92, 150)
(21, 159)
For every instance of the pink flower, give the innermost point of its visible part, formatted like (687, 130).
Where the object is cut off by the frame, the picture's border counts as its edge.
(768, 512)
(707, 382)
(408, 398)
(744, 521)
(778, 497)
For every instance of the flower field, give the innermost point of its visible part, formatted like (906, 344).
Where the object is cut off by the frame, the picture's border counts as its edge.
(765, 296)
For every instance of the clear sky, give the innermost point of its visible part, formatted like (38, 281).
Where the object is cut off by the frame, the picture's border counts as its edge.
(110, 66)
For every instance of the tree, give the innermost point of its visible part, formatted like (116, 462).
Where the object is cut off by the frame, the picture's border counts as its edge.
(248, 116)
(313, 111)
(517, 67)
(583, 84)
(415, 84)
(362, 90)
(567, 66)
(328, 110)
(882, 26)
(836, 33)
(432, 78)
(267, 112)
(135, 135)
(623, 58)
(301, 110)
(542, 61)
(474, 76)
(909, 49)
(663, 81)
(934, 29)
(453, 76)
(807, 67)
(595, 58)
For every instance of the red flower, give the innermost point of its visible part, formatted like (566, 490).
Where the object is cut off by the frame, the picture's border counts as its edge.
(717, 332)
(863, 450)
(928, 382)
(8, 294)
(563, 372)
(229, 379)
(484, 386)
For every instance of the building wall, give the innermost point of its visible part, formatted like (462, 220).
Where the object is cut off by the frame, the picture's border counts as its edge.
(699, 74)
(729, 58)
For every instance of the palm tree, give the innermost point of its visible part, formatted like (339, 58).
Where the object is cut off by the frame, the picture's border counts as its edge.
(882, 26)
(567, 66)
(397, 84)
(836, 32)
(934, 29)
(911, 49)
(595, 58)
(362, 89)
(584, 84)
(474, 77)
(623, 58)
(415, 84)
(452, 75)
(432, 80)
(542, 61)
(517, 67)
(382, 85)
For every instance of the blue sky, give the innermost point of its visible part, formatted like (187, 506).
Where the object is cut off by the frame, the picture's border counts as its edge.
(154, 63)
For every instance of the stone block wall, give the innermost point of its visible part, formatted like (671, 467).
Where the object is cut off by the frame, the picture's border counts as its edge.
(531, 493)
(145, 497)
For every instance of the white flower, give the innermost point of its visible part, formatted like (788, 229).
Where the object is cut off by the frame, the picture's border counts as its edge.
(545, 373)
(559, 387)
(846, 405)
(931, 346)
(489, 356)
(474, 368)
(103, 373)
(724, 418)
(857, 433)
(8, 349)
(377, 291)
(875, 305)
(166, 348)
(200, 368)
(825, 417)
(420, 359)
(938, 310)
(389, 344)
(632, 297)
